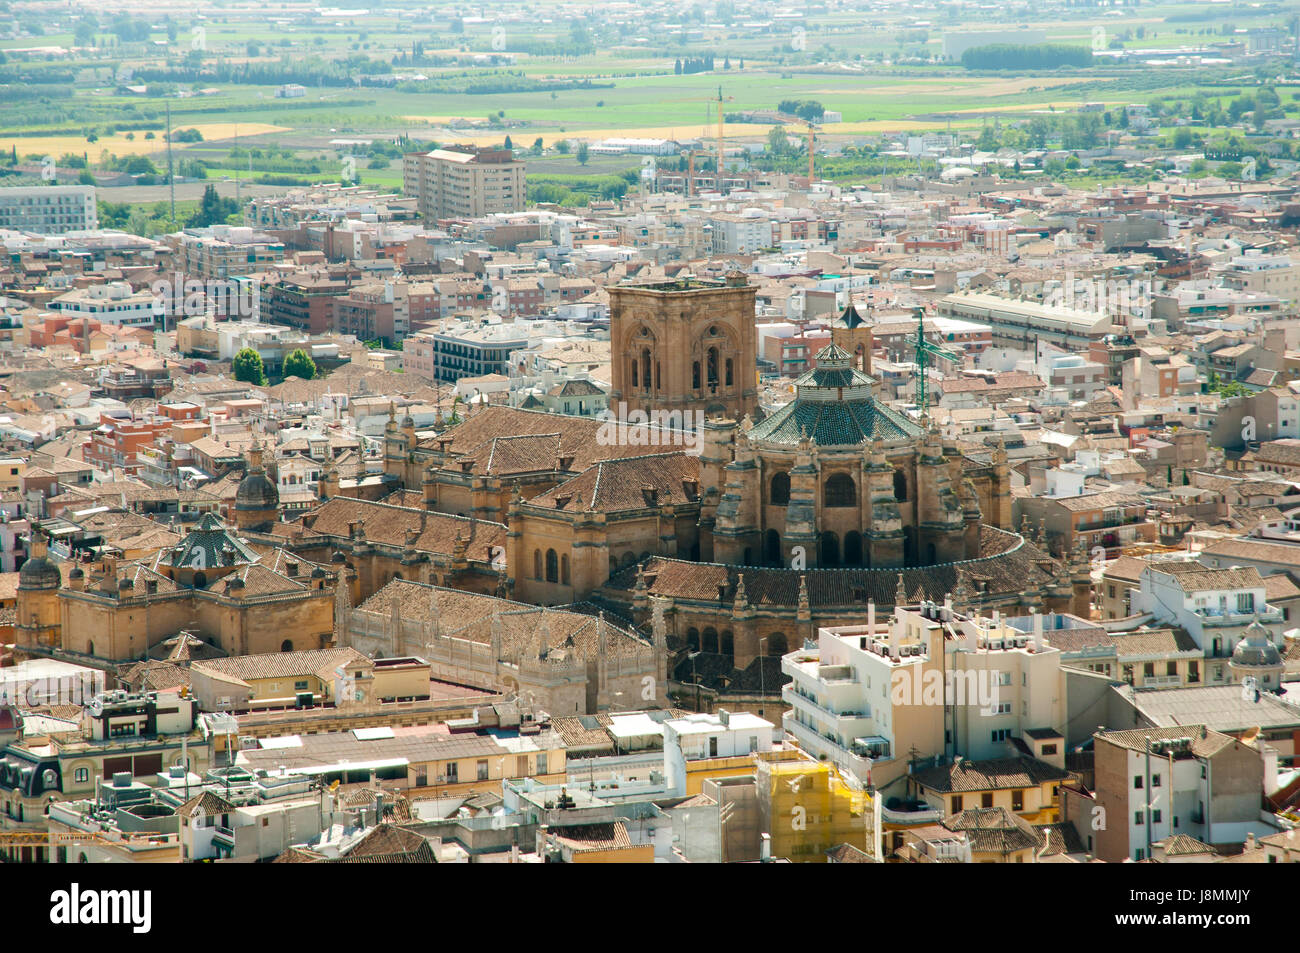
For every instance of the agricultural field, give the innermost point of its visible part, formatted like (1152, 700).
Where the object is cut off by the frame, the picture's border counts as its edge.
(95, 84)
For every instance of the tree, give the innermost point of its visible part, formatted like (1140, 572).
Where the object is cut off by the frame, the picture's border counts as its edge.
(677, 67)
(509, 145)
(583, 153)
(247, 367)
(562, 147)
(298, 363)
(537, 146)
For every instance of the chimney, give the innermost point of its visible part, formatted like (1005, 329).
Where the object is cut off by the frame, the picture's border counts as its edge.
(893, 636)
(724, 716)
(765, 847)
(871, 617)
(650, 494)
(1037, 641)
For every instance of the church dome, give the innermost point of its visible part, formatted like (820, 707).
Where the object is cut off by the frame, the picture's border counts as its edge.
(39, 572)
(1256, 649)
(256, 492)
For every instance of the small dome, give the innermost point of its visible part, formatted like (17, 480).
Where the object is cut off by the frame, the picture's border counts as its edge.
(39, 572)
(408, 422)
(256, 492)
(1255, 648)
(77, 573)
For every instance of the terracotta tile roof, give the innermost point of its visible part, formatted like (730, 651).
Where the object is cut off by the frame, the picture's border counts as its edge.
(994, 830)
(1183, 845)
(387, 525)
(321, 662)
(991, 775)
(1155, 642)
(523, 627)
(586, 439)
(1194, 577)
(208, 802)
(1135, 739)
(614, 485)
(1282, 554)
(1059, 838)
(583, 837)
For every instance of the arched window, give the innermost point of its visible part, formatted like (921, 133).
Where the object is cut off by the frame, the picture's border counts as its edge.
(659, 382)
(81, 775)
(537, 564)
(900, 486)
(693, 640)
(645, 366)
(564, 569)
(90, 648)
(728, 645)
(779, 494)
(777, 645)
(772, 547)
(695, 375)
(628, 560)
(841, 490)
(710, 641)
(713, 367)
(830, 549)
(853, 548)
(552, 566)
(729, 372)
(636, 372)
(286, 645)
(930, 556)
(909, 546)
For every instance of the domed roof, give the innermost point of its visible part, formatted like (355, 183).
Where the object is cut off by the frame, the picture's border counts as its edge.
(1255, 648)
(39, 572)
(256, 492)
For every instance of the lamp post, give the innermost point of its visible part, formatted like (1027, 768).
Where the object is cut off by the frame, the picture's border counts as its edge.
(695, 678)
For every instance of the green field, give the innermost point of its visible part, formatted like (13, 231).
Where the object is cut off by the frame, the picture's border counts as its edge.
(880, 70)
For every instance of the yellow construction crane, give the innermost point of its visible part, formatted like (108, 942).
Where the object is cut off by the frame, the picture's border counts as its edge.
(720, 136)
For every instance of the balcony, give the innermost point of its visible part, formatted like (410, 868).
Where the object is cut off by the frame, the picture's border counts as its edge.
(1219, 617)
(1161, 681)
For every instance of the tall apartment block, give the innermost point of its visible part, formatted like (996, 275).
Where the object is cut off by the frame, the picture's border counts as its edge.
(49, 209)
(464, 182)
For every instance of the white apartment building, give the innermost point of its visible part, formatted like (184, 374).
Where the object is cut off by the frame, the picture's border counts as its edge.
(741, 234)
(1260, 273)
(720, 735)
(49, 209)
(1214, 606)
(111, 303)
(928, 681)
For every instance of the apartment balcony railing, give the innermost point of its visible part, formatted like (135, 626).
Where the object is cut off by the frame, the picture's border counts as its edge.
(1161, 681)
(1224, 617)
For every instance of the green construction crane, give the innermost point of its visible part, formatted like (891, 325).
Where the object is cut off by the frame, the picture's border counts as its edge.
(924, 350)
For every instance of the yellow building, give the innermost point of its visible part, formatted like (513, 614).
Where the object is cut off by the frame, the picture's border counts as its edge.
(1024, 786)
(340, 676)
(808, 807)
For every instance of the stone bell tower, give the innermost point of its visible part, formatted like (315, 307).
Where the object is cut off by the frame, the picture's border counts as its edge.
(688, 345)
